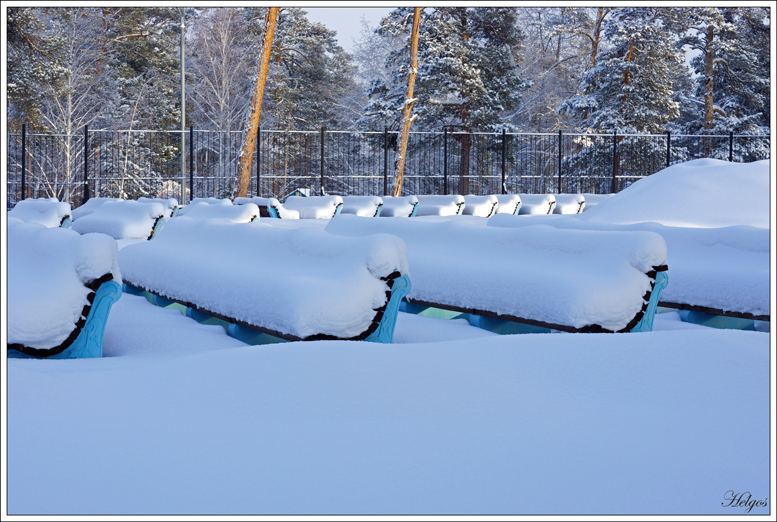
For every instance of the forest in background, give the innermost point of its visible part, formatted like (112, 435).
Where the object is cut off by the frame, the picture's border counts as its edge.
(585, 70)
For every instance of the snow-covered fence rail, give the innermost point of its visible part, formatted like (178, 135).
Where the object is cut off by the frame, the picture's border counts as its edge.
(134, 163)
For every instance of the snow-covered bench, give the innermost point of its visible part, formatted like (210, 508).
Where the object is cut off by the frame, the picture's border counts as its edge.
(573, 281)
(537, 204)
(315, 207)
(365, 206)
(717, 271)
(201, 210)
(292, 284)
(123, 220)
(569, 204)
(481, 206)
(402, 206)
(49, 212)
(440, 205)
(91, 205)
(591, 200)
(61, 287)
(269, 207)
(170, 204)
(508, 204)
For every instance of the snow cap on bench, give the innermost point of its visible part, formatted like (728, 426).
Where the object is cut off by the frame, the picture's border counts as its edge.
(508, 203)
(440, 205)
(402, 206)
(223, 213)
(480, 206)
(48, 269)
(49, 212)
(314, 207)
(537, 204)
(91, 205)
(122, 219)
(365, 206)
(265, 204)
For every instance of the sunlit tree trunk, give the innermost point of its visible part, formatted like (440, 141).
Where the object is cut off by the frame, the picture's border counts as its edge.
(407, 118)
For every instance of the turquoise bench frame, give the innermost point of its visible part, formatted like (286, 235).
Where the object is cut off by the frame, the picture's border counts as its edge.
(89, 342)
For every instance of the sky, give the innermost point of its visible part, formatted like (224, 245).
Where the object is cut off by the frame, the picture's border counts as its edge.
(347, 20)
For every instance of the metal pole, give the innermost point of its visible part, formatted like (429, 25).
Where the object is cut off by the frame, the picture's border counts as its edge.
(191, 160)
(445, 160)
(86, 162)
(24, 161)
(504, 141)
(183, 109)
(323, 132)
(614, 188)
(385, 160)
(668, 147)
(731, 146)
(559, 161)
(258, 156)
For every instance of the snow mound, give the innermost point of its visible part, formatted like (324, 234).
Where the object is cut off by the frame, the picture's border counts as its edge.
(365, 206)
(266, 204)
(440, 205)
(402, 206)
(122, 219)
(705, 193)
(569, 204)
(299, 282)
(314, 207)
(169, 203)
(480, 206)
(49, 212)
(508, 203)
(223, 213)
(48, 269)
(563, 277)
(212, 201)
(91, 205)
(722, 268)
(537, 204)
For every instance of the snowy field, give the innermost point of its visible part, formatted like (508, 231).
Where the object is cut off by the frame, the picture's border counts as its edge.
(179, 418)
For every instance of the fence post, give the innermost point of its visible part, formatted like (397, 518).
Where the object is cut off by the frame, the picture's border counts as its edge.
(385, 160)
(191, 161)
(668, 147)
(559, 161)
(504, 141)
(24, 161)
(614, 188)
(445, 161)
(323, 132)
(86, 163)
(258, 158)
(731, 146)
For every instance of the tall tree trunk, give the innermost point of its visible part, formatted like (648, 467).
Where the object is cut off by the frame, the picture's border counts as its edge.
(407, 119)
(255, 106)
(709, 106)
(466, 147)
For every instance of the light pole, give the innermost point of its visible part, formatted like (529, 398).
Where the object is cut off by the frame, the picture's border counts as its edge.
(183, 109)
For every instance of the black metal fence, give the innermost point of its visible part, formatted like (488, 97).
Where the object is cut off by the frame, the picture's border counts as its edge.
(131, 164)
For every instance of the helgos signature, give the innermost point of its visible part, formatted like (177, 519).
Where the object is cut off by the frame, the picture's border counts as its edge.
(742, 500)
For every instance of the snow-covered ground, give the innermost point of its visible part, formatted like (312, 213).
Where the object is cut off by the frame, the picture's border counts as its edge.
(179, 418)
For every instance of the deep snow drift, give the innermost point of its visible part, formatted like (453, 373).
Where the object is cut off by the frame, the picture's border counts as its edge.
(49, 212)
(706, 193)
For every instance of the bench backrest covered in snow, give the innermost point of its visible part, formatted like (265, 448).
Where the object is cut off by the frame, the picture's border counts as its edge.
(269, 207)
(569, 204)
(402, 206)
(91, 205)
(49, 212)
(296, 284)
(364, 206)
(123, 220)
(537, 204)
(225, 213)
(61, 286)
(171, 204)
(508, 203)
(440, 205)
(560, 279)
(315, 207)
(480, 206)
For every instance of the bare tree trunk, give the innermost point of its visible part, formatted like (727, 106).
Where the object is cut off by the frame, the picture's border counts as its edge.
(466, 148)
(709, 106)
(407, 119)
(255, 106)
